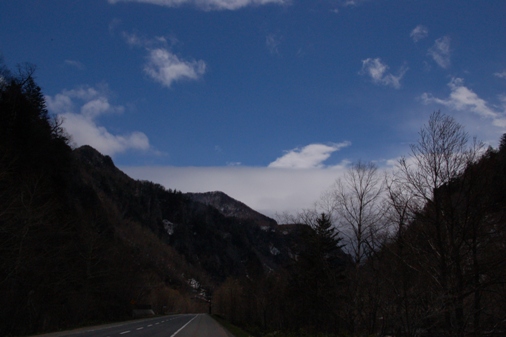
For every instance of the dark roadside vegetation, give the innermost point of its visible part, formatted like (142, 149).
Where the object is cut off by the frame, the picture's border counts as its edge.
(82, 243)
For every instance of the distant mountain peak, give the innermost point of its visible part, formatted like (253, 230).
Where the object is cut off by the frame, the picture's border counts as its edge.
(94, 157)
(231, 207)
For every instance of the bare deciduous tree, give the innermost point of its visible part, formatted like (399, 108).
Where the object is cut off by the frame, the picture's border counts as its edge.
(357, 205)
(434, 181)
(441, 154)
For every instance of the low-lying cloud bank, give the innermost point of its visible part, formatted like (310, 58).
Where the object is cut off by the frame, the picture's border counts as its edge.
(266, 190)
(292, 182)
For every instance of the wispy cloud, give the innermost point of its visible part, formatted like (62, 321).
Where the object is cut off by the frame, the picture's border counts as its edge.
(351, 3)
(378, 72)
(113, 26)
(208, 4)
(464, 99)
(134, 40)
(310, 156)
(272, 42)
(80, 108)
(162, 65)
(440, 52)
(420, 32)
(501, 75)
(75, 64)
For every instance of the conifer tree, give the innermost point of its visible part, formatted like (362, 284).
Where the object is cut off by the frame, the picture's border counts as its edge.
(317, 276)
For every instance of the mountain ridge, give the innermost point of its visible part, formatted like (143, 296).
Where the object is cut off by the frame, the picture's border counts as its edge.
(231, 207)
(211, 230)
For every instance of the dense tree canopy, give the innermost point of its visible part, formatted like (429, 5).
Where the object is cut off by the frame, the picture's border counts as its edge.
(28, 134)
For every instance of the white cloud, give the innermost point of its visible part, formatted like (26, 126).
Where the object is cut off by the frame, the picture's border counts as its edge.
(351, 3)
(501, 75)
(208, 4)
(162, 65)
(464, 99)
(80, 109)
(379, 74)
(420, 32)
(86, 131)
(133, 40)
(440, 52)
(271, 191)
(310, 156)
(74, 63)
(293, 182)
(166, 68)
(266, 190)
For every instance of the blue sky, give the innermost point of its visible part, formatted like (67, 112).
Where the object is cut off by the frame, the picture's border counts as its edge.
(266, 100)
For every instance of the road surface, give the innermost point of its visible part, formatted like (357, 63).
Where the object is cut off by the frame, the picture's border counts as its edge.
(190, 325)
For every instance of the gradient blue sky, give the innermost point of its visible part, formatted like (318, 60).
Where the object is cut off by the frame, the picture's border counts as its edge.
(266, 100)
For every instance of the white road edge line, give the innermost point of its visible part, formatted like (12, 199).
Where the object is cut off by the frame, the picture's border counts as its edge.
(184, 326)
(124, 332)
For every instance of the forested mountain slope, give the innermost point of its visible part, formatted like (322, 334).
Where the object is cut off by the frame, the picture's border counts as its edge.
(80, 241)
(221, 245)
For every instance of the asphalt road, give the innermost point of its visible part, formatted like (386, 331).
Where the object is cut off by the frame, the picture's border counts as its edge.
(191, 325)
